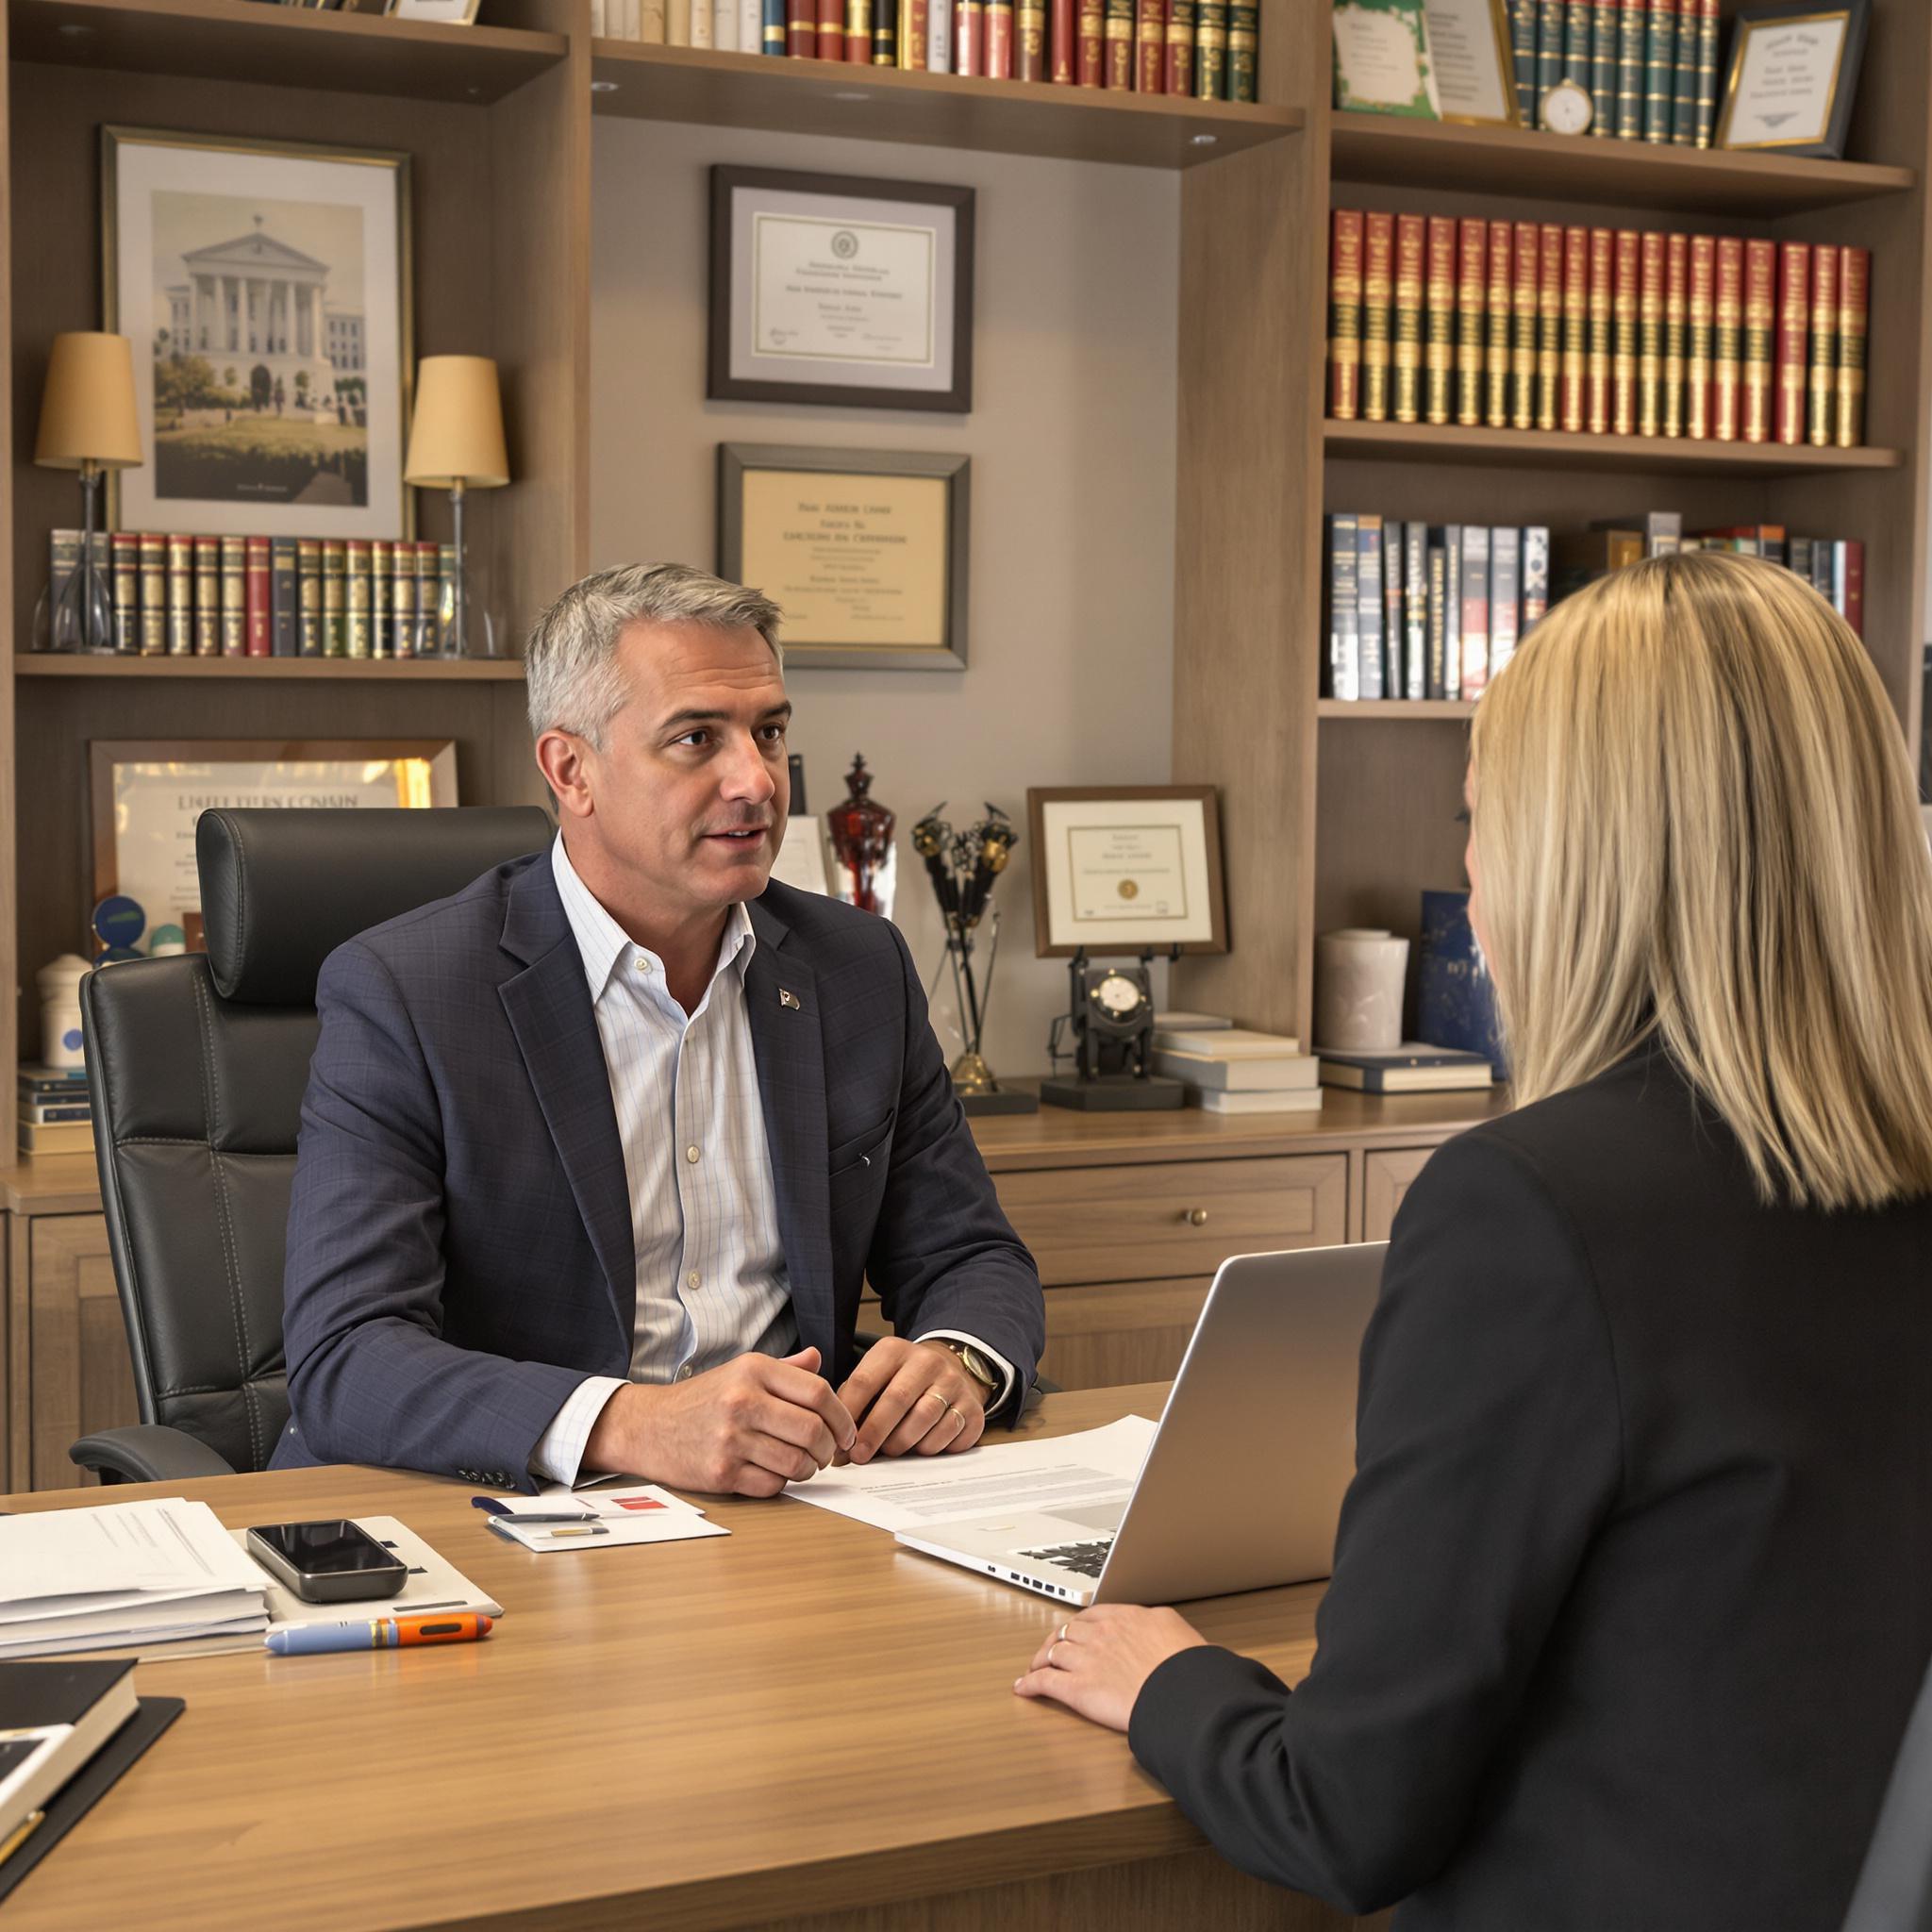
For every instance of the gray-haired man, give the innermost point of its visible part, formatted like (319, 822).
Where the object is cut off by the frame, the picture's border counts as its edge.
(597, 1156)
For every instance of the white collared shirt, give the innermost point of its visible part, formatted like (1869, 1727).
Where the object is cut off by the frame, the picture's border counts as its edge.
(711, 1282)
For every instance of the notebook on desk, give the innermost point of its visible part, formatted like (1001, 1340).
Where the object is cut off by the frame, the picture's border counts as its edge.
(1242, 1484)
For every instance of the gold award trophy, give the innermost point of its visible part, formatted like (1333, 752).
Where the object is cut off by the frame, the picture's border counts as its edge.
(963, 867)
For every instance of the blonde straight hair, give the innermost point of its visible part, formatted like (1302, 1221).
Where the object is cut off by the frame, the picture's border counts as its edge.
(1695, 819)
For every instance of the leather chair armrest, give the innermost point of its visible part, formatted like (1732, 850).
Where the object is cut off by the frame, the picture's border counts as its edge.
(147, 1452)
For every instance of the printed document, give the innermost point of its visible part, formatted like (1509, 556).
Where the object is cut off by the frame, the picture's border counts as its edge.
(914, 1492)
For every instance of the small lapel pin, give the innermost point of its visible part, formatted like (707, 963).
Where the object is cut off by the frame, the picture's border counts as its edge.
(789, 999)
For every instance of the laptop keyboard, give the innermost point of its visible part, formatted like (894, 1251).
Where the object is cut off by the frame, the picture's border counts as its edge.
(1084, 1559)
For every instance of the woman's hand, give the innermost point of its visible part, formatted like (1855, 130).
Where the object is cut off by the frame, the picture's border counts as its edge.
(1096, 1663)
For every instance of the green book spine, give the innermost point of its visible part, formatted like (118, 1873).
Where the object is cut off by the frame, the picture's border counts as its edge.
(1684, 75)
(1578, 40)
(1522, 48)
(1706, 71)
(234, 596)
(1211, 48)
(308, 598)
(1549, 49)
(335, 606)
(1243, 40)
(208, 596)
(356, 602)
(1603, 67)
(126, 554)
(1630, 71)
(1659, 57)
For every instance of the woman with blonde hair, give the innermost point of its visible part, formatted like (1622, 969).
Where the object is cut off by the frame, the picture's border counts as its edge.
(1633, 1589)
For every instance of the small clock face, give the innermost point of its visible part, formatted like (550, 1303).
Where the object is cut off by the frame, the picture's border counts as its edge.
(1117, 995)
(1567, 109)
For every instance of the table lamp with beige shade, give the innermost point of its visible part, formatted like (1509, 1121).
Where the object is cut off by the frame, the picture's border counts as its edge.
(455, 443)
(87, 423)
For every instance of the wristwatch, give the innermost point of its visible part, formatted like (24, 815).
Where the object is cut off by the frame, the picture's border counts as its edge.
(976, 1365)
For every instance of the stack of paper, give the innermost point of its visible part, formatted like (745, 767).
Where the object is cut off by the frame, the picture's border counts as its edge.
(559, 1519)
(120, 1575)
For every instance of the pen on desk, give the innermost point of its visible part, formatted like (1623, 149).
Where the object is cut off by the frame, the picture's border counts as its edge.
(494, 1510)
(377, 1633)
(576, 1532)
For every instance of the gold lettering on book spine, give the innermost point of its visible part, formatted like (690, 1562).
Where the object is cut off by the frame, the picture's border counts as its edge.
(1602, 315)
(1698, 343)
(1377, 246)
(1549, 332)
(1522, 359)
(1409, 318)
(1852, 296)
(1502, 310)
(1440, 322)
(1677, 330)
(1726, 329)
(1345, 322)
(1823, 397)
(1650, 342)
(1472, 287)
(1624, 358)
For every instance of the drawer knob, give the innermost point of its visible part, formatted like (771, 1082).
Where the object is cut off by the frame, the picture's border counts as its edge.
(1194, 1217)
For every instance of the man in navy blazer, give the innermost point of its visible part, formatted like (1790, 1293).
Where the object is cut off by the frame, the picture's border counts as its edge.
(597, 1156)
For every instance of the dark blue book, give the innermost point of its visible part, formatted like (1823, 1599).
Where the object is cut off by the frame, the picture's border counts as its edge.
(1456, 995)
(1343, 653)
(1370, 609)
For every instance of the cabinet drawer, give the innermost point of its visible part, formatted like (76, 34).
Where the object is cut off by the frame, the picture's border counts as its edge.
(1387, 1173)
(1167, 1221)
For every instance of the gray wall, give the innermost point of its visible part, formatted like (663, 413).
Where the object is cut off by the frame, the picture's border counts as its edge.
(1072, 437)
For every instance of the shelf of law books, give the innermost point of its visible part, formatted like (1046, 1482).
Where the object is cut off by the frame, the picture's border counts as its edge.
(1420, 616)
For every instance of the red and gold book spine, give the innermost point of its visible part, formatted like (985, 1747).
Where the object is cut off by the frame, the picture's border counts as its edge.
(1596, 366)
(997, 60)
(1569, 414)
(1029, 39)
(1523, 339)
(802, 30)
(1624, 347)
(1700, 338)
(1793, 333)
(257, 607)
(1650, 337)
(1061, 44)
(1472, 296)
(914, 51)
(1410, 243)
(1150, 48)
(1502, 312)
(969, 37)
(1549, 326)
(1854, 300)
(1760, 317)
(1822, 405)
(1345, 315)
(1090, 67)
(829, 38)
(1182, 20)
(1439, 351)
(858, 30)
(1855, 585)
(1379, 271)
(1727, 328)
(1120, 15)
(1676, 328)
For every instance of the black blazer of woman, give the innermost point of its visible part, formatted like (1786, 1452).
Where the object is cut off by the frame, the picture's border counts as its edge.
(1633, 1590)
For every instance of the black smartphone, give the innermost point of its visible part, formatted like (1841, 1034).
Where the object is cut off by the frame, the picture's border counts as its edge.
(334, 1561)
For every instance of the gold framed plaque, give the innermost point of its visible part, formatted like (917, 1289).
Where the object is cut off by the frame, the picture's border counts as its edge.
(1793, 75)
(1472, 63)
(1127, 869)
(863, 550)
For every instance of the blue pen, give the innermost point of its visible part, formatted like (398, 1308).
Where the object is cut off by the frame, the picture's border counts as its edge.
(377, 1633)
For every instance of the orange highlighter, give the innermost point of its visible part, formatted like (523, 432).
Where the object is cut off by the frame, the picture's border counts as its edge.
(378, 1633)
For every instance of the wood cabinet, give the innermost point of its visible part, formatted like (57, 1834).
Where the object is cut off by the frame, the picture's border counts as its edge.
(1387, 1173)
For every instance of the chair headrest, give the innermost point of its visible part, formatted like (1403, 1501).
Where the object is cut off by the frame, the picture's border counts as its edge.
(281, 891)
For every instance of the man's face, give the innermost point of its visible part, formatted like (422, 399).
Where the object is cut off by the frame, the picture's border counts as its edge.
(692, 789)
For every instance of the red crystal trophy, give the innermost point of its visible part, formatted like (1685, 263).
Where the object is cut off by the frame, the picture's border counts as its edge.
(861, 831)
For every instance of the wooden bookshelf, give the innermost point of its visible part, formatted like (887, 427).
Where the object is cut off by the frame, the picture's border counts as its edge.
(755, 91)
(1379, 711)
(1554, 449)
(276, 670)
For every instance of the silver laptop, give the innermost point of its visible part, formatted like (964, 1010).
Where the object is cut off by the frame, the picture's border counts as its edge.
(1243, 1482)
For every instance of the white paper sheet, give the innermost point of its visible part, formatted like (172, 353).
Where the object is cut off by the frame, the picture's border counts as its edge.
(914, 1492)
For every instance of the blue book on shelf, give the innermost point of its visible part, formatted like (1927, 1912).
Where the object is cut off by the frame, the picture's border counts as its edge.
(1457, 997)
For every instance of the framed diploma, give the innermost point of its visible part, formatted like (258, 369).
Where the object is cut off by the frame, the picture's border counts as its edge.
(1382, 58)
(1793, 73)
(840, 289)
(864, 551)
(1127, 869)
(1471, 61)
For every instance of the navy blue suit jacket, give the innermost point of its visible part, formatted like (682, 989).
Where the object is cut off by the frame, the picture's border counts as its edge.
(459, 1250)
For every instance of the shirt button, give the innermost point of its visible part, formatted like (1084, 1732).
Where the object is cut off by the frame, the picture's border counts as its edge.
(690, 1154)
(684, 1373)
(643, 962)
(691, 1280)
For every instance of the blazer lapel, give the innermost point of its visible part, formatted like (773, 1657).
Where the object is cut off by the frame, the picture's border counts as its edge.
(549, 1009)
(781, 1003)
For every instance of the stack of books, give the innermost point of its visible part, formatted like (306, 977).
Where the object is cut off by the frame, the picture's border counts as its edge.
(179, 596)
(1411, 1068)
(1603, 331)
(1648, 66)
(1229, 1068)
(55, 1117)
(1207, 50)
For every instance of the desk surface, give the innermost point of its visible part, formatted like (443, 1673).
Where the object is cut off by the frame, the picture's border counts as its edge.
(801, 1717)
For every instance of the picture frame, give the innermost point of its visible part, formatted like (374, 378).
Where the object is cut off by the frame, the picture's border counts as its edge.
(1472, 63)
(144, 796)
(1792, 77)
(840, 289)
(864, 551)
(1127, 869)
(266, 407)
(1382, 58)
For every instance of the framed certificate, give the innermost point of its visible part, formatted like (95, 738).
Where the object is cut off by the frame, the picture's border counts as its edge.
(1471, 63)
(1382, 58)
(863, 550)
(840, 289)
(1793, 73)
(1127, 869)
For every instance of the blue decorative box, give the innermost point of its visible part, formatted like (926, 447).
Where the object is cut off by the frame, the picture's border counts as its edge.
(1457, 998)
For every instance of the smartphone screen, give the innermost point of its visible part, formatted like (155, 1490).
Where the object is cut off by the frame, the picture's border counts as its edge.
(335, 1548)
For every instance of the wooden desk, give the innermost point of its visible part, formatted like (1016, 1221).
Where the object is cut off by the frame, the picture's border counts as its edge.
(800, 1725)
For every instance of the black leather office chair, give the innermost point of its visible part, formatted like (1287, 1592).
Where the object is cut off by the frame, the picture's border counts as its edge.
(196, 1067)
(1894, 1892)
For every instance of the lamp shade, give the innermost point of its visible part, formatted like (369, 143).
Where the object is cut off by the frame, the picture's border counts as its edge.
(457, 435)
(87, 409)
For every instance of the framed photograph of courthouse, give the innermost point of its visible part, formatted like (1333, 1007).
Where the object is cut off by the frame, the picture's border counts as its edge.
(864, 551)
(266, 287)
(840, 289)
(1793, 75)
(1127, 869)
(1471, 63)
(146, 794)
